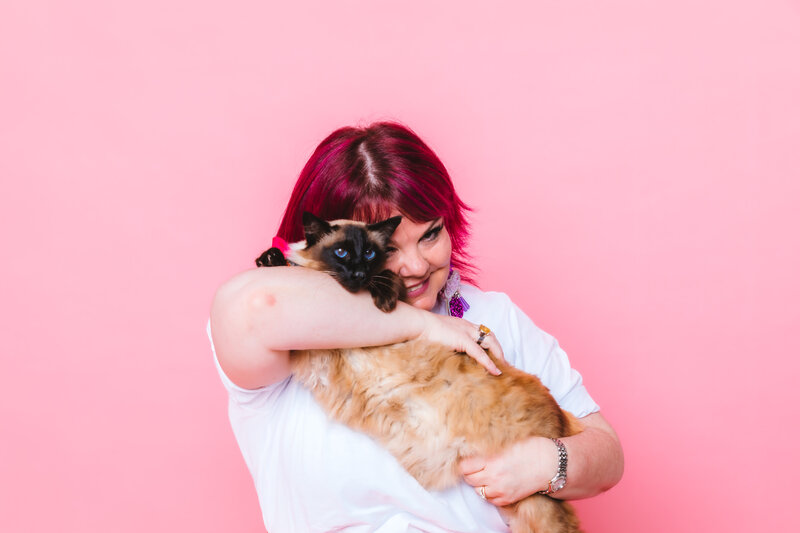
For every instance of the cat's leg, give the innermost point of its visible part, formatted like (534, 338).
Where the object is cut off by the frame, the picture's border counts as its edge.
(270, 258)
(386, 288)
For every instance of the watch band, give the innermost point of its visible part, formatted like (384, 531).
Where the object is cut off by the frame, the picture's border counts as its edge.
(560, 479)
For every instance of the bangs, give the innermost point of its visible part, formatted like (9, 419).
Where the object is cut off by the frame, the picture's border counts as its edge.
(415, 202)
(371, 210)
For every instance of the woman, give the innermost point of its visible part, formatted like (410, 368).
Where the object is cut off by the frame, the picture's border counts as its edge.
(314, 475)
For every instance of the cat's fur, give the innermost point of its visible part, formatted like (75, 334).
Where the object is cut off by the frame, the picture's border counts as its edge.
(428, 405)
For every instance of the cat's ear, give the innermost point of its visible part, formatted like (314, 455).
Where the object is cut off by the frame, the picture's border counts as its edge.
(314, 228)
(385, 228)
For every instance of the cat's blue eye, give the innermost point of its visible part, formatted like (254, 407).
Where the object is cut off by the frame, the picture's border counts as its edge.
(369, 255)
(341, 253)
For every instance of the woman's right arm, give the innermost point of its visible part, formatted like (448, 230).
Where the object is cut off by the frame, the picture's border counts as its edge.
(258, 316)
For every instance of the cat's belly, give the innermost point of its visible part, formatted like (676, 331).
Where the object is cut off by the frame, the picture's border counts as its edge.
(406, 416)
(377, 394)
(427, 405)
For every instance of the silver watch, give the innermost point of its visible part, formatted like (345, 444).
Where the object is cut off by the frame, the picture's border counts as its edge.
(560, 479)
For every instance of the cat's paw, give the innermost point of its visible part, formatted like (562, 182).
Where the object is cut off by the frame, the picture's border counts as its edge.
(386, 288)
(385, 303)
(270, 258)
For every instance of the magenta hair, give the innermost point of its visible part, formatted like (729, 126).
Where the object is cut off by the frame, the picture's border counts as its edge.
(367, 173)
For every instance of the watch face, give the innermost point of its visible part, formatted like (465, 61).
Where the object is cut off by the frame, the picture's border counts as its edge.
(558, 484)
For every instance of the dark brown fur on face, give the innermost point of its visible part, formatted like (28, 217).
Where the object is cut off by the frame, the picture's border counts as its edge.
(431, 406)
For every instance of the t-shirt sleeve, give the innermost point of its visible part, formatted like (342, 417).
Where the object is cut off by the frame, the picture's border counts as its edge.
(538, 353)
(253, 398)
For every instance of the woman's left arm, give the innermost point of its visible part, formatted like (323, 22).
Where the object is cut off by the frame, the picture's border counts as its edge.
(595, 464)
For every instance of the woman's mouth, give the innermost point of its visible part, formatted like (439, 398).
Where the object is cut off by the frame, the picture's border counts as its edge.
(414, 291)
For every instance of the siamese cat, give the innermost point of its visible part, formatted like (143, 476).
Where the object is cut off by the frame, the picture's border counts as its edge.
(427, 404)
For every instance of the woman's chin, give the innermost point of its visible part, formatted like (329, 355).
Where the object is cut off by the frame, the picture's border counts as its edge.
(423, 304)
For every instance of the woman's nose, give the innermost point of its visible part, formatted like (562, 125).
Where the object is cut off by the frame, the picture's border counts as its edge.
(413, 264)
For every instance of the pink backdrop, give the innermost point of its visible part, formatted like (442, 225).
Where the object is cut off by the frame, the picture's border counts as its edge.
(634, 169)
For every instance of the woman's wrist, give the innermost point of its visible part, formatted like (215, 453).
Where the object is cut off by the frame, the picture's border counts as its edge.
(544, 463)
(559, 478)
(595, 460)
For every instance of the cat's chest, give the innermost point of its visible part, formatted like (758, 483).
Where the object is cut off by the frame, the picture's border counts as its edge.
(375, 370)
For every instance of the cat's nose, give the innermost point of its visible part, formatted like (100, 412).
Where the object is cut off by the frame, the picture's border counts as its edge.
(359, 275)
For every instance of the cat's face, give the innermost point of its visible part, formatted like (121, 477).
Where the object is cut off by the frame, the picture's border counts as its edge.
(352, 252)
(420, 255)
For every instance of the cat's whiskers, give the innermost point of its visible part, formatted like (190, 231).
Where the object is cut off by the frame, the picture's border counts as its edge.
(378, 281)
(377, 278)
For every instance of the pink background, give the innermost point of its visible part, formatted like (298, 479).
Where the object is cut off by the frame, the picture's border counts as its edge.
(634, 171)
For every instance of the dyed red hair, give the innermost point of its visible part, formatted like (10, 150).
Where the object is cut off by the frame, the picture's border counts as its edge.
(367, 173)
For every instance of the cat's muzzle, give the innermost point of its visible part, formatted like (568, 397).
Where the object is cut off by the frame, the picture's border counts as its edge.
(354, 281)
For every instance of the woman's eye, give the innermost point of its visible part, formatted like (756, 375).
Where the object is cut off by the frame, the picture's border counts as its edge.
(432, 234)
(369, 255)
(341, 253)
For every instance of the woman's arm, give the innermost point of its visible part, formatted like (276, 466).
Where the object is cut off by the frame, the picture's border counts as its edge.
(595, 464)
(258, 316)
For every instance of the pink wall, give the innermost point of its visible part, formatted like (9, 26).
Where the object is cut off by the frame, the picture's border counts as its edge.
(634, 168)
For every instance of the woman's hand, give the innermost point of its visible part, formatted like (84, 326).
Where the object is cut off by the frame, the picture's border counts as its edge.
(595, 465)
(517, 472)
(462, 335)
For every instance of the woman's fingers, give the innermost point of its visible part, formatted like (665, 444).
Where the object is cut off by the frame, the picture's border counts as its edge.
(484, 340)
(471, 465)
(473, 471)
(477, 353)
(462, 336)
(491, 343)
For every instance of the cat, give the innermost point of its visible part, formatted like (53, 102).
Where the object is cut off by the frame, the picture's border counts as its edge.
(354, 255)
(426, 404)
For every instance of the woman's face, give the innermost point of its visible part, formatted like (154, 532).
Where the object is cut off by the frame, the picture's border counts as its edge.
(420, 255)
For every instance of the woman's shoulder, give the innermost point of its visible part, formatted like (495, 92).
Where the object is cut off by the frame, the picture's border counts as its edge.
(493, 309)
(512, 326)
(485, 299)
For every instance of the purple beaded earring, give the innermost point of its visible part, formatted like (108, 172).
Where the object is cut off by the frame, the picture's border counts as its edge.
(456, 304)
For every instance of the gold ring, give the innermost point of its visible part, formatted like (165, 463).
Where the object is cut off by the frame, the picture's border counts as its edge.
(483, 330)
(482, 491)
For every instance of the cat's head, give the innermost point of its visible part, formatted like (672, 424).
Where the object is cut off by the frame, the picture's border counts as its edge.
(352, 252)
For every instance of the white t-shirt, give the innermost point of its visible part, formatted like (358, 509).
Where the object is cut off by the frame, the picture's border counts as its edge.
(315, 475)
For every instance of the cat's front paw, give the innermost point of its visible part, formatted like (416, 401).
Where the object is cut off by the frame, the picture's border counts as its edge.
(270, 258)
(386, 288)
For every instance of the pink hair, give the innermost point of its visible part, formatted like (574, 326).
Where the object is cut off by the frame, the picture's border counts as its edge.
(367, 173)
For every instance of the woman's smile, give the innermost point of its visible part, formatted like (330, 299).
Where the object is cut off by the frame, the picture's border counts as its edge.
(415, 290)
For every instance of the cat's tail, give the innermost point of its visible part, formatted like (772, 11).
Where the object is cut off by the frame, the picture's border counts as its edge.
(542, 514)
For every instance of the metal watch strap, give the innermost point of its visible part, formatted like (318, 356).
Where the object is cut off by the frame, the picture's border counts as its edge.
(560, 479)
